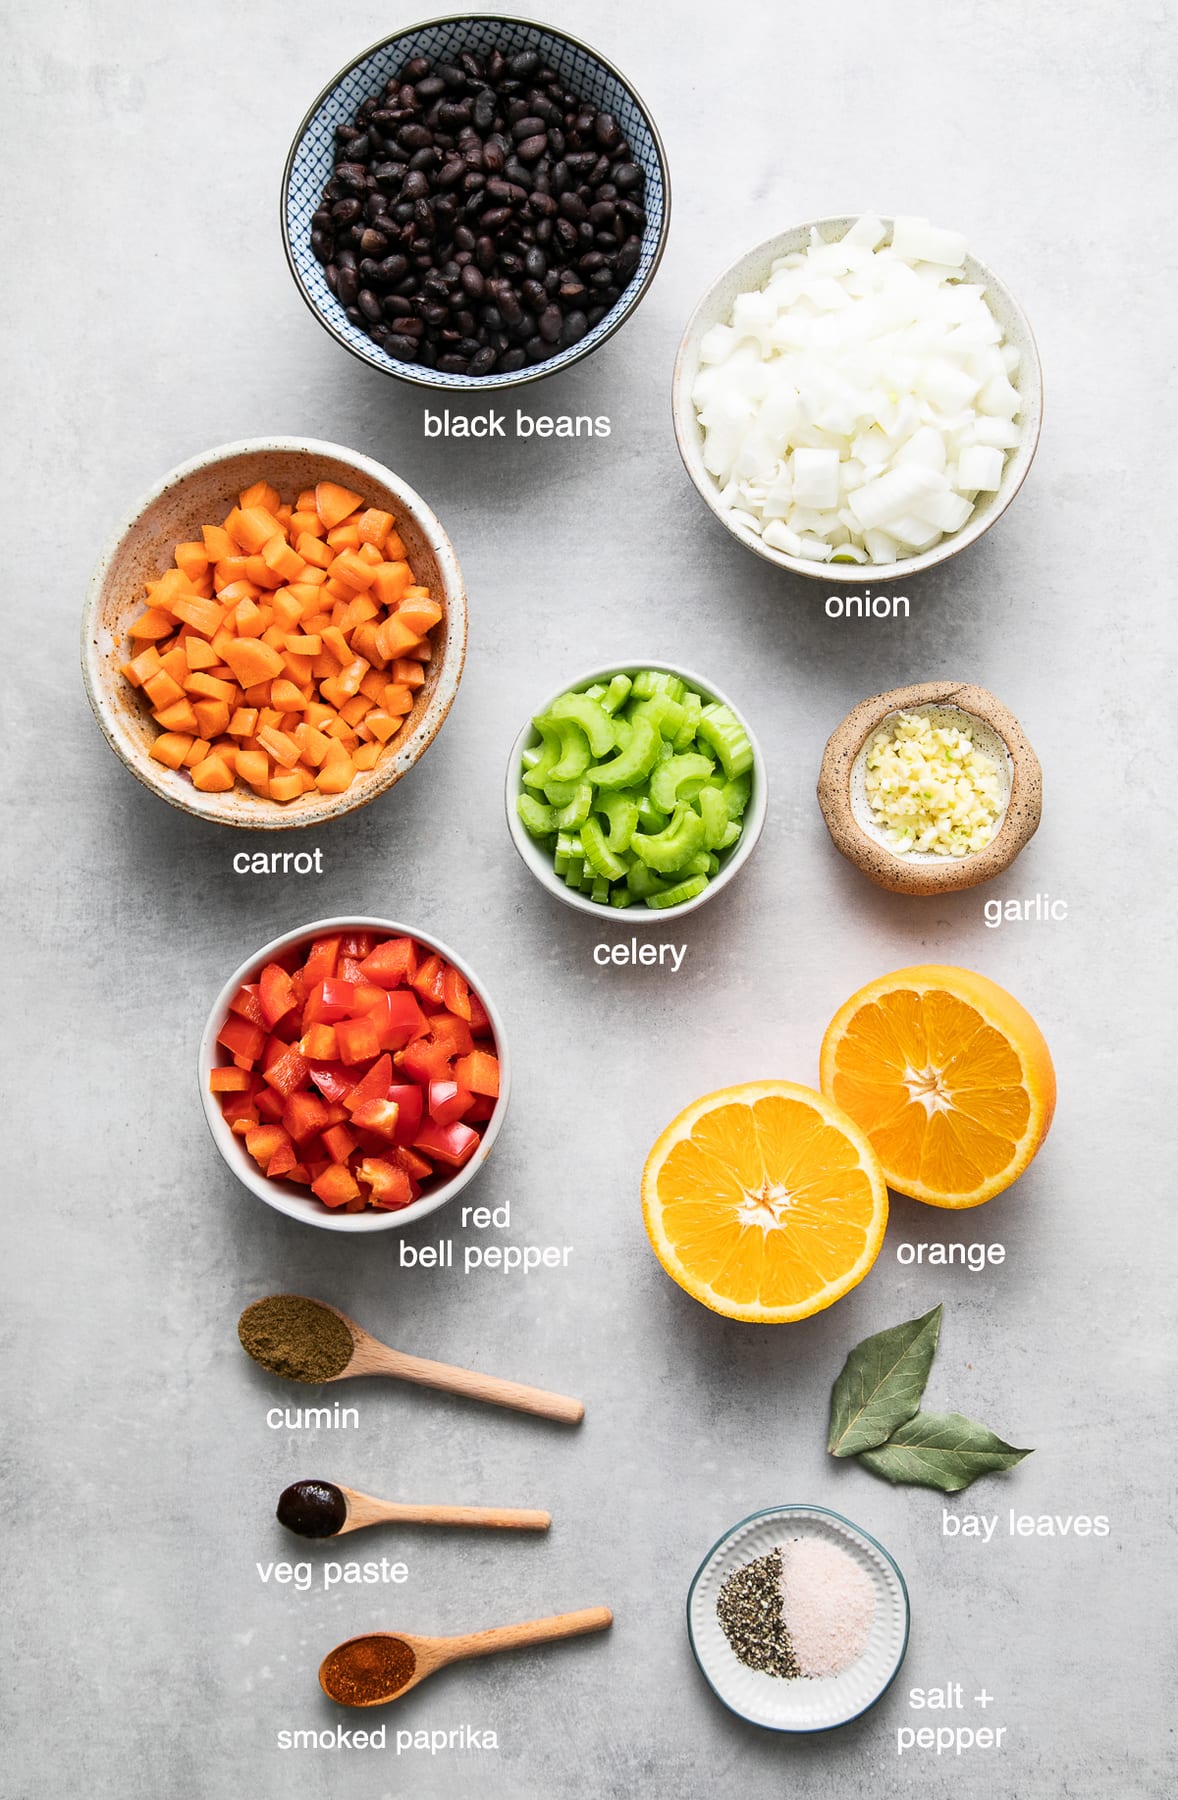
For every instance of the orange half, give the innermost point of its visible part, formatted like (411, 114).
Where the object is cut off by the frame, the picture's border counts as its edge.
(949, 1077)
(764, 1202)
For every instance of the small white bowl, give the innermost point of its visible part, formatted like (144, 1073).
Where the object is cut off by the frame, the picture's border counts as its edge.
(286, 1197)
(199, 493)
(538, 859)
(798, 1705)
(752, 272)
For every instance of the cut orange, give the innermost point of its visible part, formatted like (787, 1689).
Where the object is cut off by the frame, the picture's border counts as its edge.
(765, 1202)
(949, 1077)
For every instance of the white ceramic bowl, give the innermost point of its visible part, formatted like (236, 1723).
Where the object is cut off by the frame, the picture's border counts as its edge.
(752, 272)
(538, 859)
(285, 1196)
(800, 1705)
(201, 492)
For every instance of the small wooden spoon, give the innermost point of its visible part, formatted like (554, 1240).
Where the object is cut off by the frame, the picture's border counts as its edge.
(381, 1671)
(323, 1509)
(371, 1357)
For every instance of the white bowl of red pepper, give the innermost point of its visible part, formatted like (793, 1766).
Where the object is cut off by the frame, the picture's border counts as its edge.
(354, 1074)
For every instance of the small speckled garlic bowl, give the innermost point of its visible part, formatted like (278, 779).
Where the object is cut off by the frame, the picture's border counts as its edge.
(201, 492)
(861, 837)
(751, 272)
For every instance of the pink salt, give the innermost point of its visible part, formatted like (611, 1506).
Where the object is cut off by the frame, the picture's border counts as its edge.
(828, 1605)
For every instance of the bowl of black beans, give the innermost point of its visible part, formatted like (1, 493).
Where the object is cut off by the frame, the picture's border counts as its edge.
(475, 202)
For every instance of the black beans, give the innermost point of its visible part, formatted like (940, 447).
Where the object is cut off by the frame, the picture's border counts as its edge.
(479, 218)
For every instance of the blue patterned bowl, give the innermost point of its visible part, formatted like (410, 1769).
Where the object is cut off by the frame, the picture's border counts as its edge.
(311, 160)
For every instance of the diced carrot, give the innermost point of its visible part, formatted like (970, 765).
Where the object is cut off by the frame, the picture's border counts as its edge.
(381, 724)
(422, 614)
(209, 688)
(366, 757)
(309, 522)
(276, 744)
(260, 494)
(394, 548)
(335, 777)
(161, 690)
(153, 624)
(373, 685)
(395, 637)
(145, 665)
(244, 722)
(253, 527)
(391, 581)
(397, 699)
(352, 570)
(197, 753)
(177, 717)
(287, 609)
(192, 559)
(170, 748)
(374, 526)
(303, 646)
(287, 696)
(175, 663)
(252, 662)
(334, 503)
(213, 776)
(198, 654)
(313, 550)
(286, 787)
(212, 717)
(410, 673)
(313, 746)
(218, 543)
(278, 555)
(343, 537)
(253, 766)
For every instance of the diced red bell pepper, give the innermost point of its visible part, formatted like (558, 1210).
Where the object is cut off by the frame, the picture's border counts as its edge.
(358, 1040)
(284, 1159)
(288, 1073)
(379, 1116)
(425, 1061)
(269, 1144)
(327, 1002)
(349, 970)
(339, 1143)
(447, 1102)
(456, 993)
(388, 1184)
(391, 963)
(318, 1044)
(242, 1038)
(228, 1079)
(415, 1166)
(482, 1107)
(336, 1186)
(337, 1112)
(398, 1019)
(304, 1115)
(240, 1109)
(452, 1144)
(366, 998)
(270, 1106)
(411, 1101)
(247, 1004)
(321, 961)
(275, 994)
(480, 1018)
(356, 944)
(454, 1033)
(276, 1049)
(372, 1086)
(479, 1072)
(332, 1079)
(300, 1174)
(428, 979)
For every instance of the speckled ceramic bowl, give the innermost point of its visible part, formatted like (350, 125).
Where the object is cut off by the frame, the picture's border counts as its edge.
(287, 1196)
(862, 840)
(310, 162)
(540, 862)
(752, 272)
(201, 492)
(799, 1705)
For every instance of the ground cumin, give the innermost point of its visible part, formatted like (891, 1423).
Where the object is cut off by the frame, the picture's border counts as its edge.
(367, 1670)
(295, 1337)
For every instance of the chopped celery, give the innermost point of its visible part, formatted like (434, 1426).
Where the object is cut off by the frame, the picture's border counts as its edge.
(675, 896)
(539, 820)
(637, 788)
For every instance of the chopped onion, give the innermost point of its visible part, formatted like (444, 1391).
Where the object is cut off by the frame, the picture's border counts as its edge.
(857, 404)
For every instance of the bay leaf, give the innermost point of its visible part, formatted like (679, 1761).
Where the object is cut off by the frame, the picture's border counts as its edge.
(941, 1450)
(881, 1384)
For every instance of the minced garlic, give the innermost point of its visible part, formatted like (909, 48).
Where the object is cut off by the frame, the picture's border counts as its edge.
(930, 788)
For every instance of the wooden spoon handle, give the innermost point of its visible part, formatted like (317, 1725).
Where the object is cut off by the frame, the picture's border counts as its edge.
(476, 1386)
(364, 1510)
(532, 1631)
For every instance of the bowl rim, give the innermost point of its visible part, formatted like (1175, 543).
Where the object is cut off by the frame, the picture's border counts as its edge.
(687, 435)
(649, 915)
(777, 1512)
(454, 587)
(293, 1205)
(409, 372)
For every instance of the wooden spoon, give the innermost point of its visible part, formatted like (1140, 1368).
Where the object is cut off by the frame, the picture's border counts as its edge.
(322, 1509)
(383, 1665)
(371, 1357)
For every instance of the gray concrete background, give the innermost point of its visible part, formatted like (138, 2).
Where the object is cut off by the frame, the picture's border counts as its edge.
(152, 316)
